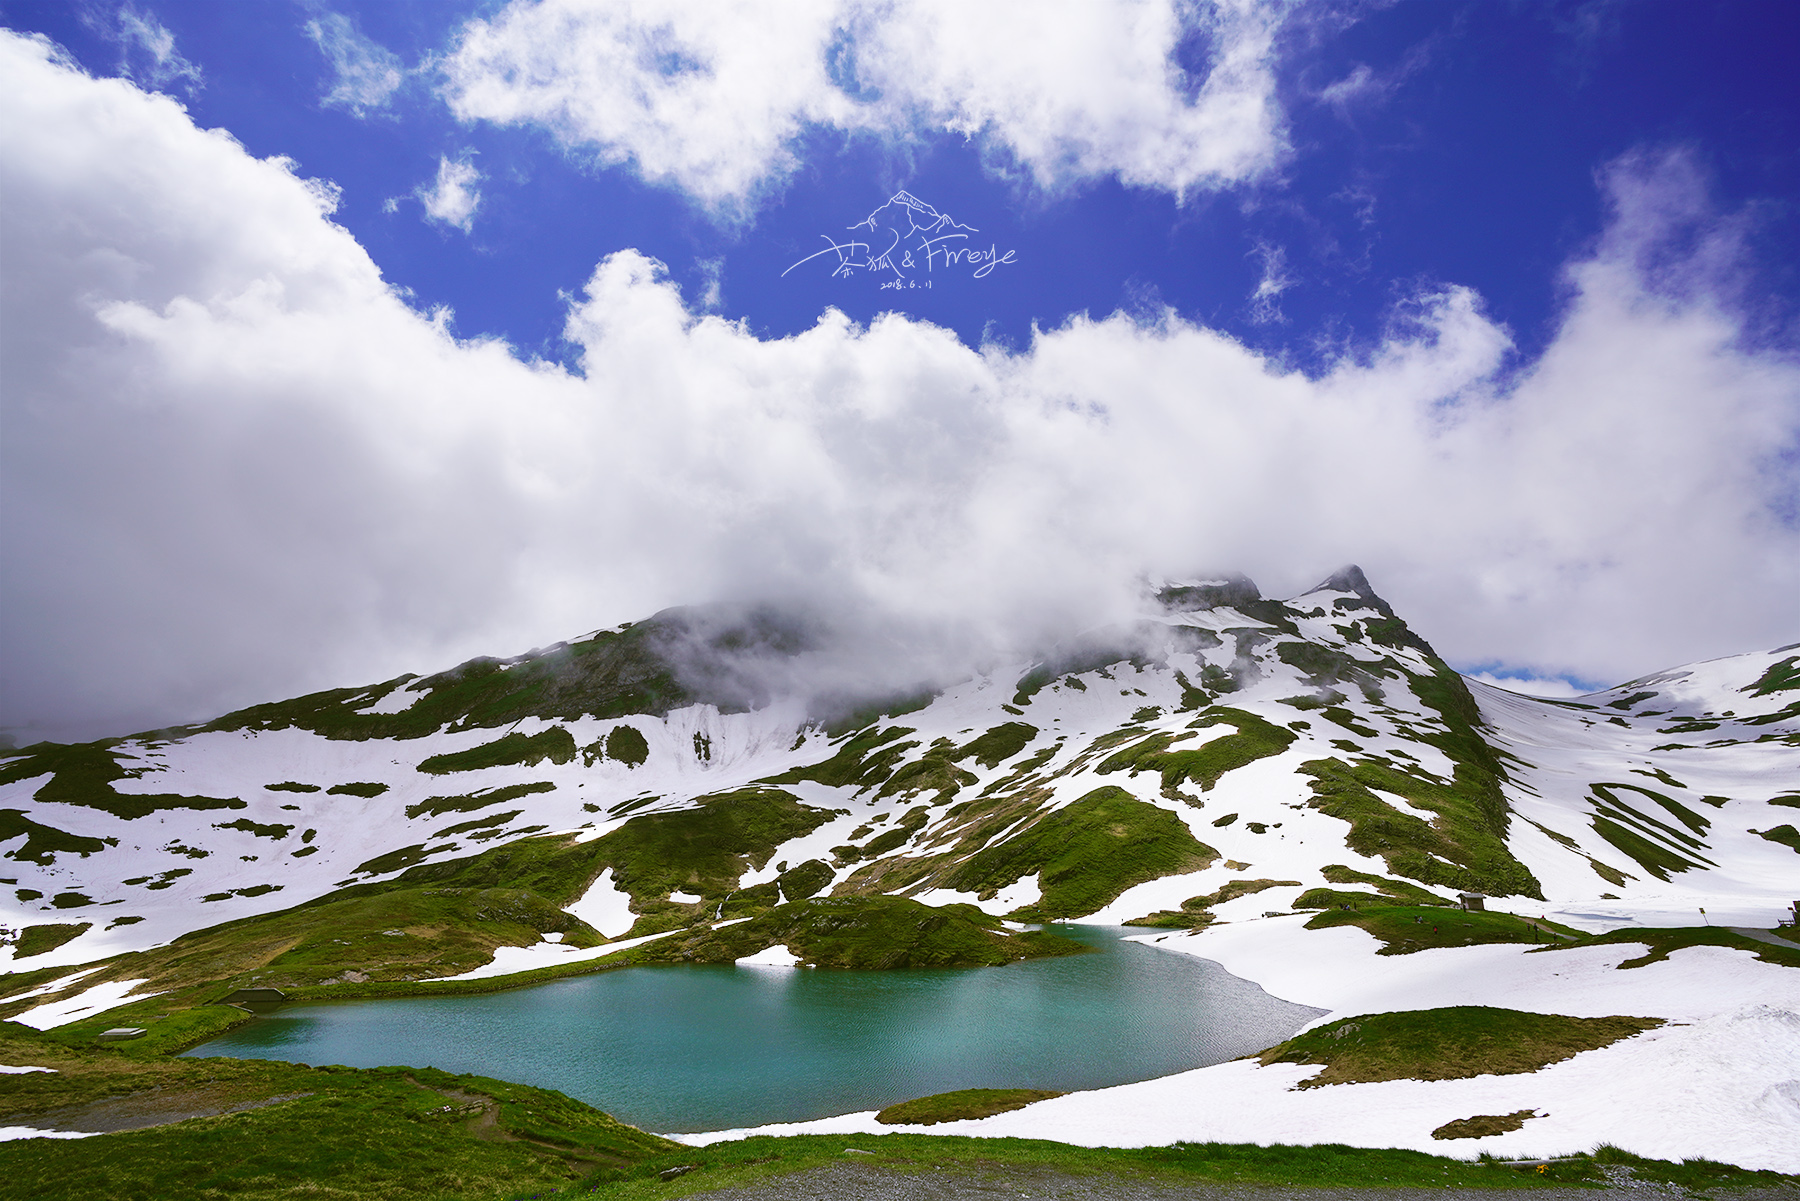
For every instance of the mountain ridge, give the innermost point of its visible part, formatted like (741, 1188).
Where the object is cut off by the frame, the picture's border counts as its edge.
(1223, 740)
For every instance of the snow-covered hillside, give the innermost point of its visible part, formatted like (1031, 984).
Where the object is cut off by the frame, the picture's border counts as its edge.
(1243, 752)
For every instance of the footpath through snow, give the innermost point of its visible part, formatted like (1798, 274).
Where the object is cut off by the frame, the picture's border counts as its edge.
(1720, 1081)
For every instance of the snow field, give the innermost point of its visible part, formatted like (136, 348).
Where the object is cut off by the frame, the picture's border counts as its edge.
(1722, 1080)
(1559, 752)
(1723, 1089)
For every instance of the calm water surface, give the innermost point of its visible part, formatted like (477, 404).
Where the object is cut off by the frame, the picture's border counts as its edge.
(689, 1048)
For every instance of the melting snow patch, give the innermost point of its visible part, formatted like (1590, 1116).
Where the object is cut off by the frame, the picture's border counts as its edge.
(397, 701)
(10, 1133)
(682, 898)
(1020, 892)
(1403, 805)
(92, 1000)
(10, 1071)
(56, 985)
(776, 956)
(510, 960)
(605, 907)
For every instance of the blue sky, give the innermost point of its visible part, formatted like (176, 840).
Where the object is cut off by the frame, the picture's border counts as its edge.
(1403, 253)
(1431, 143)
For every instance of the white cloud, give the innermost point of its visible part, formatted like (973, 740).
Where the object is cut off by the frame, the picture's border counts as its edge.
(368, 74)
(237, 465)
(147, 51)
(709, 96)
(453, 198)
(1554, 687)
(1360, 82)
(1076, 89)
(1365, 88)
(1265, 301)
(712, 272)
(705, 95)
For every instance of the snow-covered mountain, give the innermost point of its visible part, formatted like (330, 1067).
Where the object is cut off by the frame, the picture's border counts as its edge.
(1230, 752)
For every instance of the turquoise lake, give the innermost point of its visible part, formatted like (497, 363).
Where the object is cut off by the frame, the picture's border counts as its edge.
(689, 1048)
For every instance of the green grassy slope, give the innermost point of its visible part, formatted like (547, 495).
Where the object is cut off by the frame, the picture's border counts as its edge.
(298, 1131)
(1086, 854)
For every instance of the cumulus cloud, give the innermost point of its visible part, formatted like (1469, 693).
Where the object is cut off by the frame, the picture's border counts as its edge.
(237, 465)
(367, 73)
(710, 96)
(453, 198)
(1074, 90)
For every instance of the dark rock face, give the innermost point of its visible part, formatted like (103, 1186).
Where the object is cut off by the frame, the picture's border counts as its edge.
(1233, 591)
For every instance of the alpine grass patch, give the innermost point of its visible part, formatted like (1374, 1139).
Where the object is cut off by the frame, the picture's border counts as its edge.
(83, 774)
(1787, 836)
(1453, 1043)
(989, 1164)
(1660, 943)
(704, 850)
(1463, 846)
(367, 789)
(36, 940)
(42, 843)
(626, 744)
(999, 744)
(615, 673)
(480, 799)
(1484, 1124)
(1783, 676)
(1401, 890)
(961, 1105)
(934, 771)
(865, 760)
(1254, 739)
(865, 932)
(1404, 929)
(525, 750)
(1086, 854)
(1197, 911)
(399, 935)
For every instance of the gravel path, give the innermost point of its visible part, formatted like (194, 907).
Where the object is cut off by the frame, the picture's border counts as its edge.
(867, 1182)
(1774, 940)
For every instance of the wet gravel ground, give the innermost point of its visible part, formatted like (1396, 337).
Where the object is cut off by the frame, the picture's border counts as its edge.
(867, 1182)
(153, 1107)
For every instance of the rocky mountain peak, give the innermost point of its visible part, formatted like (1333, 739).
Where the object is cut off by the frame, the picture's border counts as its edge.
(1350, 578)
